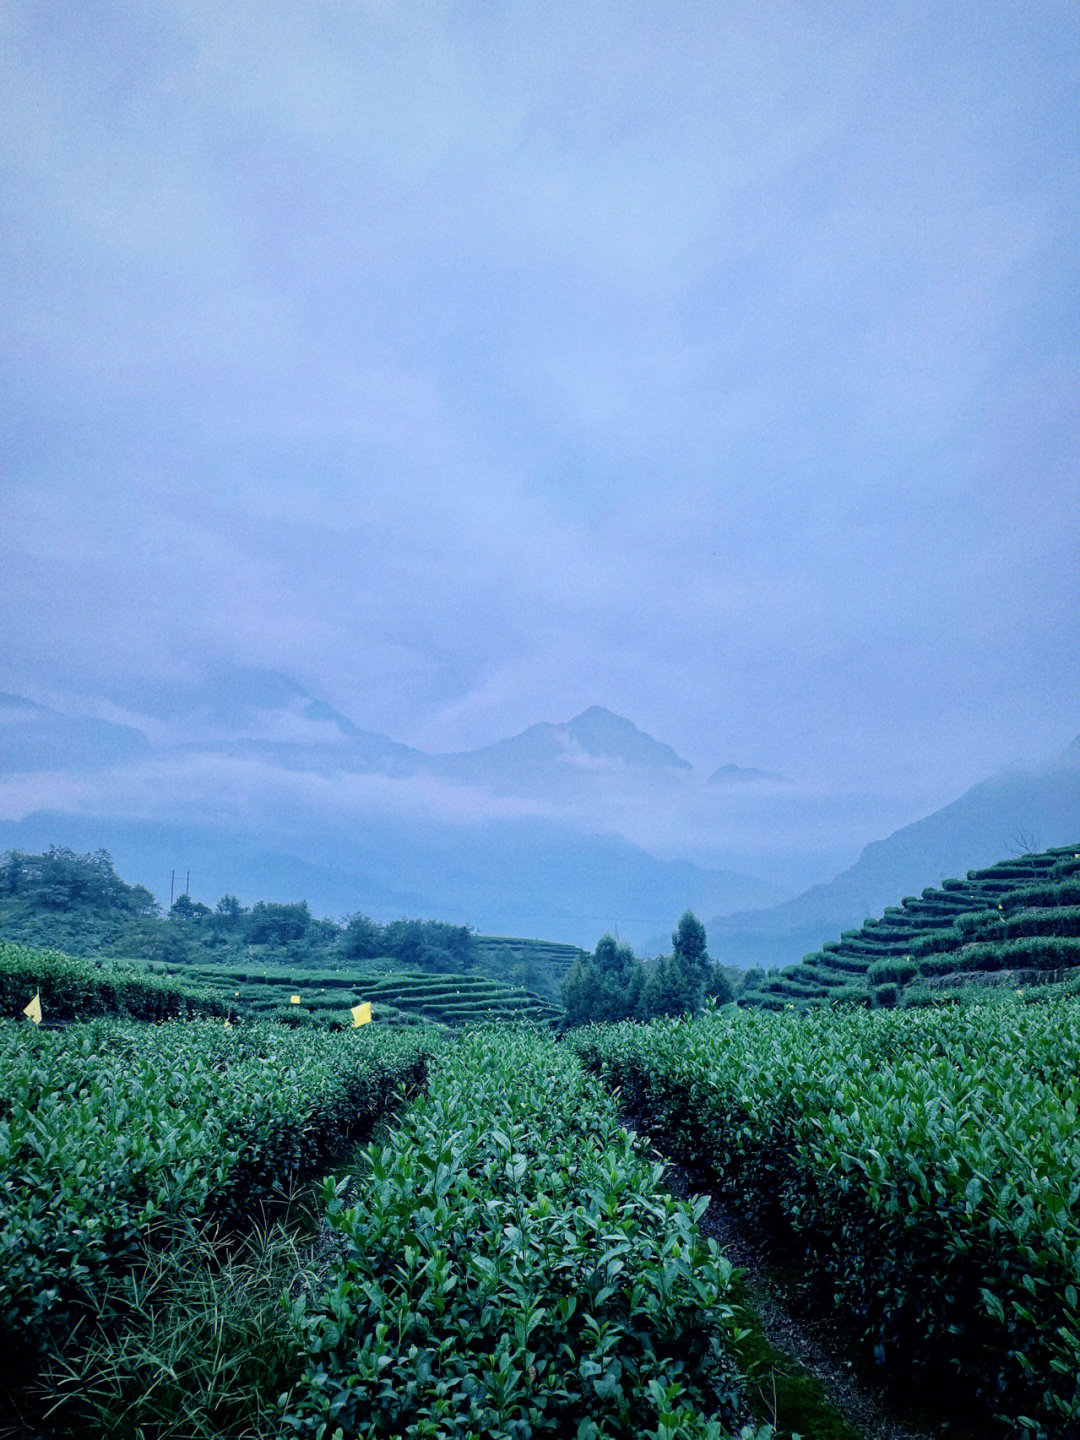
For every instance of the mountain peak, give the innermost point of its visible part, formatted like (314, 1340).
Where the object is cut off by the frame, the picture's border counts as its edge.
(600, 732)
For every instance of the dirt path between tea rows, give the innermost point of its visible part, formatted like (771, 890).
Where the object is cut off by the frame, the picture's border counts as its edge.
(815, 1340)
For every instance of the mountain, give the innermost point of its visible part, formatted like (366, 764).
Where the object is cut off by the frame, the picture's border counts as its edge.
(267, 792)
(1017, 810)
(35, 738)
(594, 749)
(508, 877)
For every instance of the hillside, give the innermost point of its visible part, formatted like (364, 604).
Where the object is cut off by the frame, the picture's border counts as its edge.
(503, 877)
(975, 830)
(260, 956)
(1017, 921)
(396, 996)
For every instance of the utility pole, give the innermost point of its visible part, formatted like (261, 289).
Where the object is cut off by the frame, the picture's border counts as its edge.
(172, 888)
(187, 885)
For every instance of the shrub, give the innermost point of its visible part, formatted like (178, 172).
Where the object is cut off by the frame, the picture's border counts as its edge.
(897, 972)
(73, 989)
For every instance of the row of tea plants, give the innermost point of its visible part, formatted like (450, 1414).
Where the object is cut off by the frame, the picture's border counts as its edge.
(925, 1166)
(72, 988)
(512, 1266)
(112, 1132)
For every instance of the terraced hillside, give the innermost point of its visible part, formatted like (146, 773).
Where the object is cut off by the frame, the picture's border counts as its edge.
(540, 965)
(397, 996)
(1018, 919)
(459, 999)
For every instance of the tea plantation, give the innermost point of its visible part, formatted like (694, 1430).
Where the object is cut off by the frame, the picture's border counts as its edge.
(924, 1166)
(397, 996)
(214, 1226)
(1016, 922)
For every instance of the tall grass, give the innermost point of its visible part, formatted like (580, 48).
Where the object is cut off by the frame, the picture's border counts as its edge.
(206, 1345)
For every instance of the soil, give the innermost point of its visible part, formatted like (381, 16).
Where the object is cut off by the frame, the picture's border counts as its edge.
(816, 1340)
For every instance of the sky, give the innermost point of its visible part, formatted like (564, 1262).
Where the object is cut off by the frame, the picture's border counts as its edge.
(471, 365)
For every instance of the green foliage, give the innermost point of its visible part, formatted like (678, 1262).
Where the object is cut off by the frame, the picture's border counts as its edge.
(896, 972)
(113, 1132)
(924, 1165)
(670, 989)
(604, 986)
(613, 985)
(1036, 952)
(514, 1267)
(203, 1348)
(73, 989)
(966, 925)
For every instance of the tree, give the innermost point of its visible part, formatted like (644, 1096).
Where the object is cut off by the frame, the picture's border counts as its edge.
(229, 909)
(688, 943)
(362, 938)
(691, 958)
(273, 923)
(184, 908)
(666, 991)
(719, 987)
(581, 991)
(604, 986)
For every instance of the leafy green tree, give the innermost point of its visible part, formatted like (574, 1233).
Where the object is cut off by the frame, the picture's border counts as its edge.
(581, 991)
(430, 945)
(271, 923)
(622, 977)
(185, 909)
(667, 990)
(362, 938)
(688, 944)
(719, 987)
(604, 986)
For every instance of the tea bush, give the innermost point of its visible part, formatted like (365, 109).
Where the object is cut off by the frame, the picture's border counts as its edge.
(73, 989)
(513, 1267)
(111, 1131)
(925, 1163)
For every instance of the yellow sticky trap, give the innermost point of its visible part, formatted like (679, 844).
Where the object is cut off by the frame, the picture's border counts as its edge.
(33, 1010)
(228, 1023)
(361, 1014)
(294, 999)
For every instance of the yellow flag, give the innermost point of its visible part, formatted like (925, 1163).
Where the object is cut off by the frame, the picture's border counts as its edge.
(294, 999)
(33, 1010)
(361, 1014)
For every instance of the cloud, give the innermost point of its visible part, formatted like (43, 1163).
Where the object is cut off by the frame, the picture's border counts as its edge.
(474, 368)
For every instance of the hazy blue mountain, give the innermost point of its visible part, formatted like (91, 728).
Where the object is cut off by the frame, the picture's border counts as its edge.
(270, 793)
(1017, 810)
(596, 748)
(513, 877)
(35, 738)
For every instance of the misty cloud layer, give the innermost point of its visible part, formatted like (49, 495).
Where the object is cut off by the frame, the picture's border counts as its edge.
(470, 368)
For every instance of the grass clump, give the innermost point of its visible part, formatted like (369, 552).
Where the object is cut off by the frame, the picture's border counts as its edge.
(207, 1344)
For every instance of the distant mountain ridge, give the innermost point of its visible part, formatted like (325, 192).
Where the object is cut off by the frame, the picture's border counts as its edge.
(539, 879)
(34, 737)
(264, 788)
(275, 793)
(1016, 810)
